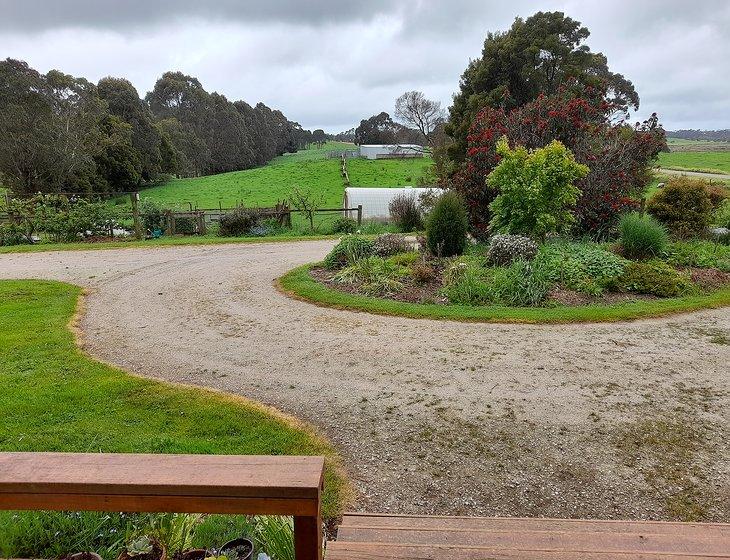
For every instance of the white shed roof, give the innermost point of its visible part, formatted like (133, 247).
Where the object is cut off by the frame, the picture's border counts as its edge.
(375, 200)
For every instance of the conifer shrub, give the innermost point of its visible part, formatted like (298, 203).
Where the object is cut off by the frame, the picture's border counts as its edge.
(447, 225)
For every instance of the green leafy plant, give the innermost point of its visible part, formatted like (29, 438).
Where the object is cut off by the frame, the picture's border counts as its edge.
(239, 222)
(536, 189)
(446, 226)
(698, 253)
(152, 215)
(466, 284)
(377, 275)
(520, 284)
(344, 225)
(405, 259)
(349, 250)
(683, 206)
(721, 218)
(642, 236)
(656, 278)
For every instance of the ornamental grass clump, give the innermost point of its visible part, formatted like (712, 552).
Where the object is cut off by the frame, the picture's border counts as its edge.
(447, 225)
(506, 248)
(642, 237)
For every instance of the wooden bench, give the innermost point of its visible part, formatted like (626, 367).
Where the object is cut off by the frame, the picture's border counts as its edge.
(227, 484)
(381, 537)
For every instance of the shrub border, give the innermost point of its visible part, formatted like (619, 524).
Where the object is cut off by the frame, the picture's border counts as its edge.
(299, 284)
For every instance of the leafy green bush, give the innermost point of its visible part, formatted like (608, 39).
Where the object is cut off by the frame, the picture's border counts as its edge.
(642, 236)
(344, 225)
(684, 206)
(152, 215)
(536, 189)
(12, 234)
(388, 244)
(349, 250)
(238, 222)
(66, 221)
(465, 283)
(698, 253)
(656, 278)
(447, 225)
(582, 267)
(378, 276)
(506, 248)
(186, 225)
(406, 213)
(405, 259)
(520, 284)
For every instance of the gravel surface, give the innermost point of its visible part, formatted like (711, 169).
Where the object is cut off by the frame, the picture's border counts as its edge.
(628, 420)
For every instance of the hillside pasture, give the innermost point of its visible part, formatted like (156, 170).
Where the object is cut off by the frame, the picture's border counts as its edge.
(390, 172)
(709, 161)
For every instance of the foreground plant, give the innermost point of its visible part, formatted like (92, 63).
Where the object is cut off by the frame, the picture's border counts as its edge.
(642, 236)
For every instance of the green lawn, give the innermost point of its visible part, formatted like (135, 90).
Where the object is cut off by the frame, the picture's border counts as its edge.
(718, 162)
(299, 284)
(55, 398)
(388, 172)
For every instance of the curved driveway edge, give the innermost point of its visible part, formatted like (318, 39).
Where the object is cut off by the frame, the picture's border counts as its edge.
(600, 420)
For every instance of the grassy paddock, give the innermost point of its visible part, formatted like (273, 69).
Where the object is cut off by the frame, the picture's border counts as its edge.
(299, 284)
(55, 398)
(707, 162)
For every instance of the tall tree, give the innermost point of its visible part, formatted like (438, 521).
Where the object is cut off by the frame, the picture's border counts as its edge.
(537, 55)
(415, 110)
(378, 129)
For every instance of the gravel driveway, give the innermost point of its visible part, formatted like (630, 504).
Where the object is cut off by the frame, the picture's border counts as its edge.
(612, 421)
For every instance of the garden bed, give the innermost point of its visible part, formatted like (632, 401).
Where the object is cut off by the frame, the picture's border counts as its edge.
(564, 282)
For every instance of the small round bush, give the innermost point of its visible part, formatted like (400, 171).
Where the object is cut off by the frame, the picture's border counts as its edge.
(344, 225)
(422, 272)
(717, 193)
(388, 244)
(238, 222)
(642, 237)
(684, 206)
(348, 251)
(447, 226)
(506, 248)
(406, 213)
(655, 278)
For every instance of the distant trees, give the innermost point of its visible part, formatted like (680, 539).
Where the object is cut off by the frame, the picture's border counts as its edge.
(381, 129)
(60, 133)
(536, 56)
(420, 113)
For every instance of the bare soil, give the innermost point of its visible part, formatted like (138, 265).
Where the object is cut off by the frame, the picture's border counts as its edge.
(624, 420)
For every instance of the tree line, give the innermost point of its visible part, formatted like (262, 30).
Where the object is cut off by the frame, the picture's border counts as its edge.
(60, 133)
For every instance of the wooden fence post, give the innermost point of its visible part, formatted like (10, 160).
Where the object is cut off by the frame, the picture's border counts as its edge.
(359, 215)
(169, 223)
(135, 215)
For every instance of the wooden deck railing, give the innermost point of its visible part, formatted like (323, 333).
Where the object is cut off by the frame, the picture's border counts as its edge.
(227, 484)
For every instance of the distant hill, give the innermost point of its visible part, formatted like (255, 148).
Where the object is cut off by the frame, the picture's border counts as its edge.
(708, 135)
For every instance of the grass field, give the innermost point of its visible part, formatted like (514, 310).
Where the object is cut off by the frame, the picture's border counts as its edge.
(55, 398)
(389, 172)
(682, 145)
(716, 162)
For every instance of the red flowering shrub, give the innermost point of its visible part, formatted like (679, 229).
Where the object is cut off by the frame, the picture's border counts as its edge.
(618, 155)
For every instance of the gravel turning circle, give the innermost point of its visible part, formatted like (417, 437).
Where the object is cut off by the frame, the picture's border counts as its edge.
(627, 420)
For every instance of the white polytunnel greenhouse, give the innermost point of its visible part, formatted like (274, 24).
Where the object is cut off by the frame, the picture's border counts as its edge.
(375, 200)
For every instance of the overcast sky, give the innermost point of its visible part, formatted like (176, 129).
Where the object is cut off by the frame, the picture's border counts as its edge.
(328, 64)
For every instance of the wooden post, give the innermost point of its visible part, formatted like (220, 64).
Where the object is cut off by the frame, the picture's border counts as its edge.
(307, 538)
(359, 215)
(169, 225)
(201, 223)
(135, 215)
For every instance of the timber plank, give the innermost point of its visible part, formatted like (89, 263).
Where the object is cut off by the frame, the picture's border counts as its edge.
(228, 476)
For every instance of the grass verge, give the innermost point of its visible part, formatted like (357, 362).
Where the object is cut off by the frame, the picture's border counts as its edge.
(299, 284)
(55, 398)
(161, 242)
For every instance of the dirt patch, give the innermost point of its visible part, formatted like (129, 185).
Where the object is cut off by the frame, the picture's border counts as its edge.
(430, 416)
(709, 278)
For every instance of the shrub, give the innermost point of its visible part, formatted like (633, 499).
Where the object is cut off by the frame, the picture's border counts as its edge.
(388, 244)
(447, 225)
(186, 225)
(536, 189)
(654, 278)
(238, 222)
(642, 236)
(581, 267)
(506, 248)
(344, 225)
(12, 234)
(152, 215)
(717, 193)
(422, 272)
(520, 284)
(405, 259)
(66, 220)
(684, 206)
(349, 250)
(406, 213)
